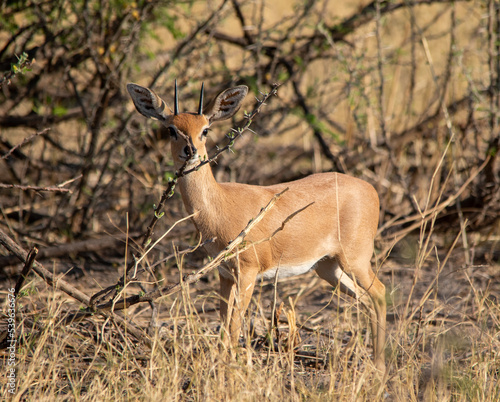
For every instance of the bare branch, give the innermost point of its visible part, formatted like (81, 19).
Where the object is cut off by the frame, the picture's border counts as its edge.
(24, 142)
(36, 188)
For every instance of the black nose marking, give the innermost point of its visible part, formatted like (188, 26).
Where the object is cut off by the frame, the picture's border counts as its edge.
(188, 150)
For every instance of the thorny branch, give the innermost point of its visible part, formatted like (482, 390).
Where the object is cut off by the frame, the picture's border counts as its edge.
(169, 192)
(223, 256)
(232, 137)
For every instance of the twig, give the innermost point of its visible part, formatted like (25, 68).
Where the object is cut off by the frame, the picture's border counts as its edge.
(30, 259)
(238, 132)
(380, 68)
(23, 64)
(36, 188)
(317, 132)
(24, 142)
(69, 181)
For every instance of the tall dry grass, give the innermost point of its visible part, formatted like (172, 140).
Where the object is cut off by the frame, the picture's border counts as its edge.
(441, 345)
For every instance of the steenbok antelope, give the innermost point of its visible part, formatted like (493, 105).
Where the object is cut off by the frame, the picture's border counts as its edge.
(334, 235)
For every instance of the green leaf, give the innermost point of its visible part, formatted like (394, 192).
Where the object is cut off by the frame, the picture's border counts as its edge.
(168, 176)
(60, 111)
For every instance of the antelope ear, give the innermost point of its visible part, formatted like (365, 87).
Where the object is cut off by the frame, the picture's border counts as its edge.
(147, 102)
(226, 104)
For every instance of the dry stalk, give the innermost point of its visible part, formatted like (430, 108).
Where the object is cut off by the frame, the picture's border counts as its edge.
(275, 313)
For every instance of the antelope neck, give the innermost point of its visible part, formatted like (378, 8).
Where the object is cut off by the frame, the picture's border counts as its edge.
(200, 191)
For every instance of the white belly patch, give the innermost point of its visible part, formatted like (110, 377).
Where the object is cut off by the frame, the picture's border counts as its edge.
(287, 271)
(283, 271)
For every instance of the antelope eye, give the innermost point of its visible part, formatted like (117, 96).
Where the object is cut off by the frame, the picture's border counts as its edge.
(172, 132)
(205, 132)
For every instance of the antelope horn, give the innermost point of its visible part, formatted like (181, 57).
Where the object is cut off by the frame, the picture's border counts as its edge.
(200, 107)
(176, 102)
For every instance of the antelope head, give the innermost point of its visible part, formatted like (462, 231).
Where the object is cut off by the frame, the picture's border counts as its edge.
(187, 130)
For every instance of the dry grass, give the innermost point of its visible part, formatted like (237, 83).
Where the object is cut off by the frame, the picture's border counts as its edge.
(443, 342)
